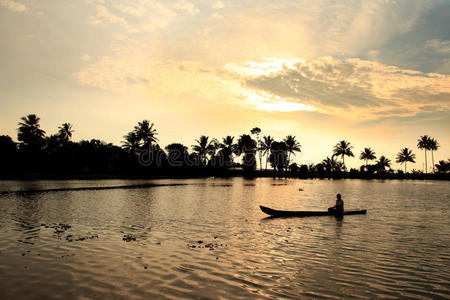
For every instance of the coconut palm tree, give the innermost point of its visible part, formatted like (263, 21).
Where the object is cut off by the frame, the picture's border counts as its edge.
(292, 146)
(30, 133)
(65, 131)
(132, 142)
(265, 146)
(343, 148)
(405, 155)
(256, 131)
(443, 166)
(433, 146)
(227, 148)
(367, 154)
(424, 144)
(383, 163)
(145, 132)
(204, 146)
(330, 165)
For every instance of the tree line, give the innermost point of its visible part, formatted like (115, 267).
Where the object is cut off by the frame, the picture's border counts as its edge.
(141, 155)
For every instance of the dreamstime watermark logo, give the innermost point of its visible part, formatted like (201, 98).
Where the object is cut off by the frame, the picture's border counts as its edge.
(154, 156)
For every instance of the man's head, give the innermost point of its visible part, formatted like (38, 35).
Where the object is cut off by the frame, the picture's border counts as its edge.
(338, 196)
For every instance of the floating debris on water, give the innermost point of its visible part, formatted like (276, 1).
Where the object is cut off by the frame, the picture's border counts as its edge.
(128, 238)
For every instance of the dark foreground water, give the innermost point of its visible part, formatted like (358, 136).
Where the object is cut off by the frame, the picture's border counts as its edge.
(207, 238)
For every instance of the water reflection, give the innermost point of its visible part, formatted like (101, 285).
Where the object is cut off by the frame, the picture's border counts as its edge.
(139, 243)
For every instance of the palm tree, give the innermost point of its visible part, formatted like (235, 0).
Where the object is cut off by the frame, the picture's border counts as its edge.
(265, 146)
(228, 148)
(433, 146)
(256, 131)
(343, 148)
(203, 147)
(30, 133)
(367, 154)
(145, 132)
(214, 145)
(443, 166)
(65, 131)
(292, 146)
(404, 156)
(383, 163)
(132, 142)
(423, 144)
(331, 165)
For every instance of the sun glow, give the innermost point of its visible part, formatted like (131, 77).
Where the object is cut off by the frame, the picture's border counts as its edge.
(267, 66)
(268, 102)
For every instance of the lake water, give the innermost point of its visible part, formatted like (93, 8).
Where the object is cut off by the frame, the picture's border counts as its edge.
(208, 239)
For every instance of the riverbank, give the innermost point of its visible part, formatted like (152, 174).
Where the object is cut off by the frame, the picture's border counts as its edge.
(180, 174)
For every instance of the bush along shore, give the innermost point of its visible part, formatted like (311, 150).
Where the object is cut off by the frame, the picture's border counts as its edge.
(38, 156)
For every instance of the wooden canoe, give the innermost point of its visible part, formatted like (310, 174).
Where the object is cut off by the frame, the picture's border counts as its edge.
(291, 213)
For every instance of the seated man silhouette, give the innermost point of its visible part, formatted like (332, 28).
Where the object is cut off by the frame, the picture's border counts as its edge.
(338, 209)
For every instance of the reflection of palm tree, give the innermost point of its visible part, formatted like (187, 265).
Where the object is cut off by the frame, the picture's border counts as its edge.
(204, 147)
(383, 163)
(65, 131)
(343, 148)
(423, 144)
(131, 143)
(367, 154)
(404, 156)
(146, 132)
(433, 146)
(30, 132)
(265, 146)
(292, 146)
(256, 131)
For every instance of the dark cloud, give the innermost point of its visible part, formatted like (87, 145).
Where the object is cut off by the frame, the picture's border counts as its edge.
(419, 48)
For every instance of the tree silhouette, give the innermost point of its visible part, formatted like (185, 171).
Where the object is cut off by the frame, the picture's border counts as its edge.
(443, 166)
(65, 131)
(367, 154)
(132, 143)
(405, 155)
(423, 144)
(292, 146)
(383, 163)
(343, 148)
(247, 146)
(433, 146)
(177, 154)
(257, 131)
(265, 146)
(278, 156)
(227, 148)
(204, 147)
(331, 165)
(145, 132)
(8, 151)
(30, 133)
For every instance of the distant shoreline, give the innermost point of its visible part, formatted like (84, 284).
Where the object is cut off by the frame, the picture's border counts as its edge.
(223, 174)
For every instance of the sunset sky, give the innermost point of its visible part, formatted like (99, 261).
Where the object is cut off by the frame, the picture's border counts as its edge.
(376, 73)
